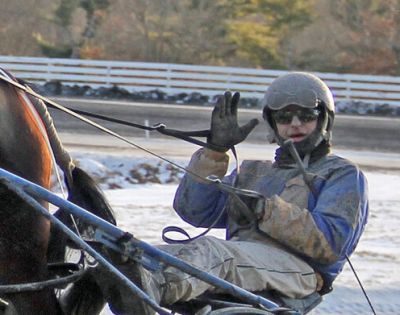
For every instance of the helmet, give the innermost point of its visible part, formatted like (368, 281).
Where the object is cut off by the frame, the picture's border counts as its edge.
(305, 90)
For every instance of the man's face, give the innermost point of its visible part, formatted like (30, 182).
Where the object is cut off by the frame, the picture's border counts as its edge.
(295, 122)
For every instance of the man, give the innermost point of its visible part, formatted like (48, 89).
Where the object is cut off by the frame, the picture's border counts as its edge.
(295, 239)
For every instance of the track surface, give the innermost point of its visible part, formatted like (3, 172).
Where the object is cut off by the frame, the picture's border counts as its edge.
(375, 134)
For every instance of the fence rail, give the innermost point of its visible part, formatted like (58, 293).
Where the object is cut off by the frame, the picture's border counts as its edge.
(177, 78)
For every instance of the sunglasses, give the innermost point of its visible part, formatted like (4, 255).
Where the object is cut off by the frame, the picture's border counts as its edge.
(305, 115)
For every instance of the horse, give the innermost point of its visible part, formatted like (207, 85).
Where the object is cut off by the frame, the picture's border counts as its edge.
(30, 148)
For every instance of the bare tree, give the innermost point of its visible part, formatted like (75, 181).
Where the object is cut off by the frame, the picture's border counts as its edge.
(19, 21)
(184, 31)
(75, 23)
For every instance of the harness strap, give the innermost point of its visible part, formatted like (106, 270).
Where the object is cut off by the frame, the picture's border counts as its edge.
(159, 127)
(62, 157)
(74, 114)
(308, 177)
(252, 216)
(59, 281)
(184, 135)
(45, 123)
(182, 231)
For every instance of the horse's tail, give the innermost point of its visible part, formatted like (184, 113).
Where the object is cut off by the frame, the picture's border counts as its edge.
(86, 193)
(84, 296)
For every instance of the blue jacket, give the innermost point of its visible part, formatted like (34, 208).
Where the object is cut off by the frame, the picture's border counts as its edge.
(321, 227)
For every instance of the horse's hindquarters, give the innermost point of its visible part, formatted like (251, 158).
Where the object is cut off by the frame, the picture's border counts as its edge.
(22, 250)
(24, 234)
(23, 253)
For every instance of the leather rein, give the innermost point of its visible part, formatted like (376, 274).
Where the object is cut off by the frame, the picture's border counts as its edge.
(161, 128)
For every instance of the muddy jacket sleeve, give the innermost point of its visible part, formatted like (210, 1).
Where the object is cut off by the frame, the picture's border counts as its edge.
(328, 227)
(196, 201)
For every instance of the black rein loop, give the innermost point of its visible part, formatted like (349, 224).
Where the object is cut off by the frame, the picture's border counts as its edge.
(161, 128)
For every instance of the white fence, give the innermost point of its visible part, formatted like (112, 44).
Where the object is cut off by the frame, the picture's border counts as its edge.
(177, 78)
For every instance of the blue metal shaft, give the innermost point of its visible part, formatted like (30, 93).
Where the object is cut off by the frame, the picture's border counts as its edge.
(228, 287)
(42, 193)
(19, 190)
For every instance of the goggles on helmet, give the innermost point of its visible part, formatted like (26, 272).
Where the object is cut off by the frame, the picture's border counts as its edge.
(285, 116)
(304, 98)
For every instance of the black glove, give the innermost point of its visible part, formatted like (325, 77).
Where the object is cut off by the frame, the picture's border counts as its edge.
(225, 131)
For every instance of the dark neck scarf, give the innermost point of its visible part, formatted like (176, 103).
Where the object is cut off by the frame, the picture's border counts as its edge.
(283, 158)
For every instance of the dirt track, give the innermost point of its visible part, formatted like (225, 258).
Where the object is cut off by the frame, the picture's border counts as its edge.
(369, 141)
(350, 132)
(179, 150)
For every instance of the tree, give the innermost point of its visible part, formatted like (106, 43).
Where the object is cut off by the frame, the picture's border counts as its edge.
(185, 31)
(219, 32)
(261, 29)
(77, 22)
(19, 19)
(373, 41)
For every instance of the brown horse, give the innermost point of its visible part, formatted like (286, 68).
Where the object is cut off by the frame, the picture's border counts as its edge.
(24, 235)
(26, 150)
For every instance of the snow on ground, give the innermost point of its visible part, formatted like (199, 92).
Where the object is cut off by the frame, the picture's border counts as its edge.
(141, 192)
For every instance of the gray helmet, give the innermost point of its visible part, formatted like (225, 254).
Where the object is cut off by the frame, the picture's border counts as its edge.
(305, 90)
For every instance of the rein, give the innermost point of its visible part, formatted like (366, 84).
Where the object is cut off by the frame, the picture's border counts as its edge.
(161, 128)
(186, 136)
(76, 115)
(75, 272)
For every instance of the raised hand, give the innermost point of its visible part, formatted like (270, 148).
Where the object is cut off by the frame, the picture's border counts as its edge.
(225, 130)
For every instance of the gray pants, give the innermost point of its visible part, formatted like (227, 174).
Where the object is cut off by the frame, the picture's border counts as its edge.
(249, 265)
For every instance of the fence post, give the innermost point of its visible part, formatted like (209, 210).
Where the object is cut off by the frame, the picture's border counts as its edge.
(348, 90)
(146, 132)
(48, 72)
(168, 77)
